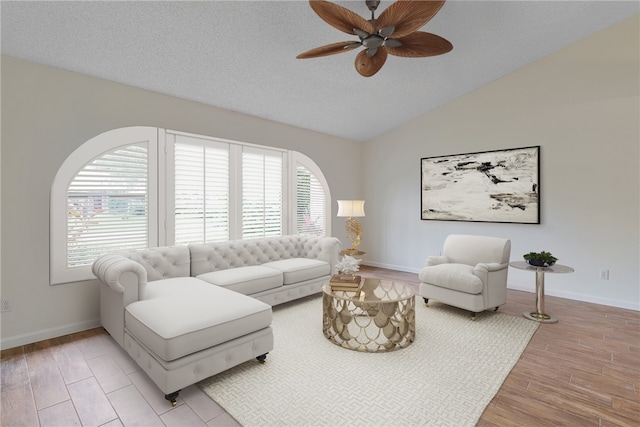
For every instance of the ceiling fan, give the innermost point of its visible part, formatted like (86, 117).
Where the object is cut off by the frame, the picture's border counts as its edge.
(393, 32)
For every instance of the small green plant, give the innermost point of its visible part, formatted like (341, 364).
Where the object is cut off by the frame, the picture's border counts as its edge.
(544, 258)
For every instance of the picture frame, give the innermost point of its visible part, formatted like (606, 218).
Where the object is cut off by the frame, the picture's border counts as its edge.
(486, 186)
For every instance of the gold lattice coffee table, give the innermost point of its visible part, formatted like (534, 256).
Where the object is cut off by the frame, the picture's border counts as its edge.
(379, 316)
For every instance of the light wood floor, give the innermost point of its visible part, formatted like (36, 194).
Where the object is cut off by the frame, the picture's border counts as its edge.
(582, 371)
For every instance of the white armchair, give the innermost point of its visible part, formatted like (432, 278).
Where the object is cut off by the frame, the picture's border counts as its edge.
(471, 273)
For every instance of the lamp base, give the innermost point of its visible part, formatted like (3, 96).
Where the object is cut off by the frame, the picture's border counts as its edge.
(354, 232)
(352, 252)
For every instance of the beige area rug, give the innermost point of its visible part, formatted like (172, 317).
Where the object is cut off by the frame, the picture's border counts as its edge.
(446, 377)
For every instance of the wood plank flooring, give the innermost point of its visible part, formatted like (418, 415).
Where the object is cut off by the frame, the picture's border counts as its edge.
(86, 379)
(582, 371)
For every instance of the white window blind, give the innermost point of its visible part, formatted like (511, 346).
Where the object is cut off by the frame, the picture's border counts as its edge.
(201, 191)
(262, 192)
(107, 205)
(311, 214)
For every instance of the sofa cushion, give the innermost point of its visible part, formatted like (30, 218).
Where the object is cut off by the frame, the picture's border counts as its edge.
(458, 277)
(178, 324)
(300, 269)
(246, 280)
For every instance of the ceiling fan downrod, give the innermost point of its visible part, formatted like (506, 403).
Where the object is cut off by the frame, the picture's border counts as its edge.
(372, 5)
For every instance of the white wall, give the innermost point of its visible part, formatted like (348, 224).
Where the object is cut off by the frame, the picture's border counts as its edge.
(581, 106)
(46, 114)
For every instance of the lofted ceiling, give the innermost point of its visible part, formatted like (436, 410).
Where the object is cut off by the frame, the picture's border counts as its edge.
(241, 55)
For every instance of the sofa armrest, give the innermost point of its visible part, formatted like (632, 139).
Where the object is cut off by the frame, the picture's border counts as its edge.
(122, 281)
(437, 260)
(110, 268)
(329, 251)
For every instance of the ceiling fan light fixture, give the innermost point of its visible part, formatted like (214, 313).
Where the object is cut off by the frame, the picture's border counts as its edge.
(386, 31)
(360, 33)
(373, 41)
(401, 19)
(392, 43)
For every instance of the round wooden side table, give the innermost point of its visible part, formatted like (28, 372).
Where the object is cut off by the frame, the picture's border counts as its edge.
(539, 315)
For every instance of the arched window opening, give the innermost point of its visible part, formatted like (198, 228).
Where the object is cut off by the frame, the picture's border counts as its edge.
(108, 205)
(111, 194)
(311, 203)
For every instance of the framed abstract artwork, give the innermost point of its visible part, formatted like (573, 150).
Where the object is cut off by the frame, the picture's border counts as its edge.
(488, 186)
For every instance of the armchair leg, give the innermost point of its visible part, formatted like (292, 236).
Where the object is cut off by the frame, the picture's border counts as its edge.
(426, 301)
(473, 315)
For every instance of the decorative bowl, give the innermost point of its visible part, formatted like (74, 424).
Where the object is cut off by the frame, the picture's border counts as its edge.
(538, 263)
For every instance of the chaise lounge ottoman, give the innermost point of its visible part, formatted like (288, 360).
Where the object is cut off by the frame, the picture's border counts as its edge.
(187, 330)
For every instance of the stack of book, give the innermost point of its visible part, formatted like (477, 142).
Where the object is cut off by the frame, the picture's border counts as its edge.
(345, 282)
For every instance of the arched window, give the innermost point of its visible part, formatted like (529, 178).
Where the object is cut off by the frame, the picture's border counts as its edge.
(110, 194)
(103, 198)
(313, 203)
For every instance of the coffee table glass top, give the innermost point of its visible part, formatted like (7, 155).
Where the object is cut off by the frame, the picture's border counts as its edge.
(374, 290)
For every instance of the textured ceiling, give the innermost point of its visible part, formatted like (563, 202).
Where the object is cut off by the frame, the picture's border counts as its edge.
(241, 55)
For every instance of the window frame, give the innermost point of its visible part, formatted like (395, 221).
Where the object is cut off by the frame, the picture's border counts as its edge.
(296, 158)
(284, 179)
(59, 272)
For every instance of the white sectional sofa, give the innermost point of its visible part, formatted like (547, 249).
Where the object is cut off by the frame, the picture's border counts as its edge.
(187, 312)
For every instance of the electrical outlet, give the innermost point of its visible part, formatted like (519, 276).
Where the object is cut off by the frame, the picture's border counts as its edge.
(6, 305)
(604, 274)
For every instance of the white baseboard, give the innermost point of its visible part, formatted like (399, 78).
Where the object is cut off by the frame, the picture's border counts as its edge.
(45, 334)
(391, 266)
(531, 288)
(579, 297)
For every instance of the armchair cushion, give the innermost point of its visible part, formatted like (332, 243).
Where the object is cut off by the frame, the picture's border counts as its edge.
(458, 277)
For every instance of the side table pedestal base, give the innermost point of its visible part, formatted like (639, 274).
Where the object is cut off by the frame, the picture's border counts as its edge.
(540, 317)
(538, 314)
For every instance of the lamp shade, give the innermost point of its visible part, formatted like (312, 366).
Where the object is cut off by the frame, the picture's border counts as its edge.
(351, 208)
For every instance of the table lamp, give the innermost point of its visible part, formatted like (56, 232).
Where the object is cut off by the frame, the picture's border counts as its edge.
(352, 209)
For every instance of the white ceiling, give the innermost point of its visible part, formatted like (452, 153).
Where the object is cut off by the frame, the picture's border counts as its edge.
(241, 55)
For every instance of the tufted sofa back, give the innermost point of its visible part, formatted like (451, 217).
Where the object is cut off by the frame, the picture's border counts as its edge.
(210, 257)
(163, 262)
(183, 261)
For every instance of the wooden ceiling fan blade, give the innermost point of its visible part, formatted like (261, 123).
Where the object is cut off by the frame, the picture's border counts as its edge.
(420, 44)
(329, 49)
(408, 16)
(339, 17)
(367, 65)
